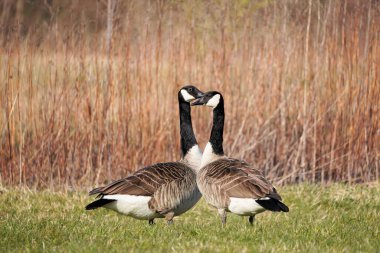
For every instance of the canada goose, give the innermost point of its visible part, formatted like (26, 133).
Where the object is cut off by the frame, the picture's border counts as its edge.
(162, 190)
(229, 184)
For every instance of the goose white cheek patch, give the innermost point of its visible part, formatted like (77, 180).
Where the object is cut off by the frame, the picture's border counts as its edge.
(187, 96)
(214, 101)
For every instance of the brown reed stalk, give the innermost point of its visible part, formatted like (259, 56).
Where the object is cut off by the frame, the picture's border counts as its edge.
(300, 80)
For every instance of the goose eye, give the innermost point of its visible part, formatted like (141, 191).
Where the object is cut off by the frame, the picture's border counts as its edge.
(190, 89)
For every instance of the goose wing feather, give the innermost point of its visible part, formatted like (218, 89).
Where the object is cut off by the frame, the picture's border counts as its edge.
(167, 183)
(238, 179)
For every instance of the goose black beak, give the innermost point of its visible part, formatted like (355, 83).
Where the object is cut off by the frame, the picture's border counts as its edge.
(199, 101)
(200, 94)
(197, 93)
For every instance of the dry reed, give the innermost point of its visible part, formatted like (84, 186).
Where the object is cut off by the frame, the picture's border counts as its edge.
(300, 81)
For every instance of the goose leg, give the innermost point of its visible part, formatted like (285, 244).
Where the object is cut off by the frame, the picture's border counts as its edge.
(251, 219)
(223, 216)
(151, 222)
(169, 218)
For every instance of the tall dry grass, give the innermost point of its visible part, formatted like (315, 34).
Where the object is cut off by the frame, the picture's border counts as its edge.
(300, 81)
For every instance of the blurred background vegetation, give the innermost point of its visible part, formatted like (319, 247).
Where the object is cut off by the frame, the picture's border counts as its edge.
(88, 89)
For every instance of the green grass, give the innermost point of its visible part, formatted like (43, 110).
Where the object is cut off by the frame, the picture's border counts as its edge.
(332, 219)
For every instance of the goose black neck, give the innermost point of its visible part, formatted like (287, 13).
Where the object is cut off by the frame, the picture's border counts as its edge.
(186, 128)
(216, 137)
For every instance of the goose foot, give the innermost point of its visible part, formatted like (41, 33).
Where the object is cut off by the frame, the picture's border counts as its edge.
(151, 222)
(251, 219)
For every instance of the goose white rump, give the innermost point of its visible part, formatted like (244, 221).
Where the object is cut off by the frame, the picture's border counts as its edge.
(132, 205)
(244, 206)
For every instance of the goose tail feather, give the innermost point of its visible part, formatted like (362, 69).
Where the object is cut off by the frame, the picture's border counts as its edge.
(273, 205)
(98, 203)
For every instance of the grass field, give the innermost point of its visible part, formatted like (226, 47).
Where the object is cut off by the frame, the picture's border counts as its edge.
(332, 219)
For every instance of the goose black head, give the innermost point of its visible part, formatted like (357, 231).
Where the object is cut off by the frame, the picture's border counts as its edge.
(189, 93)
(210, 98)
